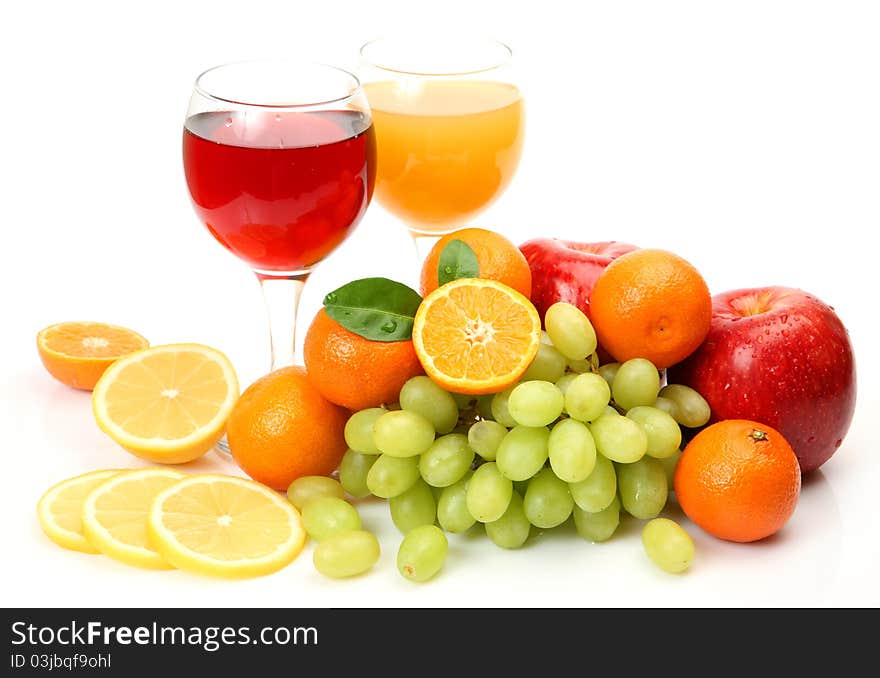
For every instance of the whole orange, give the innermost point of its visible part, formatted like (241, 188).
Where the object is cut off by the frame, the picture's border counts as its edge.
(738, 480)
(354, 372)
(651, 304)
(498, 259)
(282, 428)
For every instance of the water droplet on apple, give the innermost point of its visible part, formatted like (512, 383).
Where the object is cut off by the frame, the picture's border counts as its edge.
(277, 117)
(783, 318)
(228, 122)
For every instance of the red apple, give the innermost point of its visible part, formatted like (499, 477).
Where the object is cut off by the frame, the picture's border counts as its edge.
(563, 270)
(781, 357)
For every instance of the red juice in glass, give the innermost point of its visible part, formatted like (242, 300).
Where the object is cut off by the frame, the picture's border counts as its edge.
(280, 190)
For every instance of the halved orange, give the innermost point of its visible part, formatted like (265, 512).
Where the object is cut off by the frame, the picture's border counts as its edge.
(476, 336)
(78, 353)
(168, 404)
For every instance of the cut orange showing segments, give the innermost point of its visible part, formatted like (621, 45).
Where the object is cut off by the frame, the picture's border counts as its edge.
(225, 527)
(167, 404)
(476, 336)
(78, 353)
(60, 510)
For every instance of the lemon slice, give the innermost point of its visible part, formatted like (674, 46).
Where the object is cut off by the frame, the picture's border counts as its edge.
(225, 526)
(166, 404)
(114, 515)
(60, 510)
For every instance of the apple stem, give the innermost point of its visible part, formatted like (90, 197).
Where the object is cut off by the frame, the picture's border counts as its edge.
(758, 435)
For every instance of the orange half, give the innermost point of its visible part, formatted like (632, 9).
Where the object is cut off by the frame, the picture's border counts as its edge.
(78, 353)
(476, 336)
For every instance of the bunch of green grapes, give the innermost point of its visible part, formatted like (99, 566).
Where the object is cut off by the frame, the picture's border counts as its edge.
(570, 439)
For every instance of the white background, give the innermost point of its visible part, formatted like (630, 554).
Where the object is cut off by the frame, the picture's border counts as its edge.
(744, 136)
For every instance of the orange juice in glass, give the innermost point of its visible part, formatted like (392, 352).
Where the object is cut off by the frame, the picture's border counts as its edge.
(449, 125)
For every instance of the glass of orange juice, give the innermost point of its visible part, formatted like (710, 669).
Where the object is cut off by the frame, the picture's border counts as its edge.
(449, 122)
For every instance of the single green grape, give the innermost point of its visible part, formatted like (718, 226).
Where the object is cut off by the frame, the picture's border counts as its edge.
(618, 438)
(484, 437)
(598, 489)
(642, 486)
(570, 330)
(447, 460)
(572, 451)
(359, 430)
(608, 371)
(452, 511)
(353, 471)
(598, 526)
(667, 405)
(308, 487)
(549, 364)
(413, 507)
(587, 396)
(346, 554)
(636, 383)
(401, 433)
(391, 476)
(548, 501)
(500, 411)
(535, 403)
(668, 545)
(325, 516)
(488, 493)
(424, 397)
(692, 410)
(523, 451)
(512, 529)
(664, 435)
(422, 553)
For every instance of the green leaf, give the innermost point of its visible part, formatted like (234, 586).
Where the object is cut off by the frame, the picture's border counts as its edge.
(457, 260)
(377, 309)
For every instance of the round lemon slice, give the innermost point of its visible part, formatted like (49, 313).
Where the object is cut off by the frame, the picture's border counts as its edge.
(114, 515)
(60, 510)
(225, 526)
(167, 404)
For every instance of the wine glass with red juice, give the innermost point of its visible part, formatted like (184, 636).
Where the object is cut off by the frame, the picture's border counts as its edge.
(279, 159)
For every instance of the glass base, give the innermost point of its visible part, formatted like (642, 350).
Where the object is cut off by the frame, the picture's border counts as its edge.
(222, 447)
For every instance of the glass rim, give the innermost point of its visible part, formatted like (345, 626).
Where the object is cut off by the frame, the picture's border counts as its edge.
(439, 73)
(354, 91)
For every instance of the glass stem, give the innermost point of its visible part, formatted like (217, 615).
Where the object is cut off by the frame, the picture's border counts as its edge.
(281, 295)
